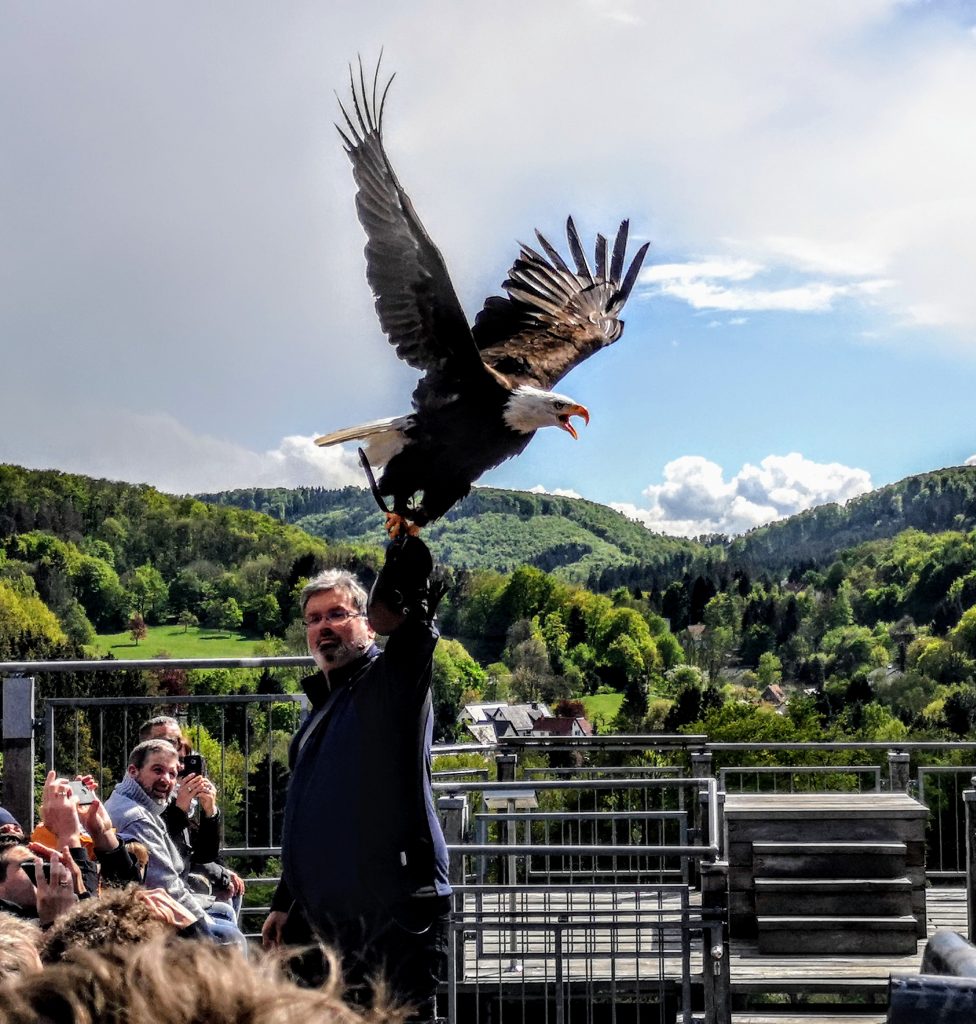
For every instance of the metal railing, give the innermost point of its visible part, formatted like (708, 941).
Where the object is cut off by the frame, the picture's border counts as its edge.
(799, 778)
(535, 950)
(940, 788)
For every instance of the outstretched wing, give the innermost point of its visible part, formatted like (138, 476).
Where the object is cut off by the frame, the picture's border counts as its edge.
(555, 317)
(415, 300)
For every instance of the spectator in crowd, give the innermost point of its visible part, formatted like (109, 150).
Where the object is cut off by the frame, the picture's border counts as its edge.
(19, 942)
(119, 917)
(159, 982)
(136, 806)
(29, 891)
(197, 839)
(364, 858)
(9, 825)
(86, 830)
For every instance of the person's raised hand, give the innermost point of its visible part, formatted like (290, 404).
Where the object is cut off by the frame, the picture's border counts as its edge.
(59, 811)
(99, 826)
(201, 789)
(55, 894)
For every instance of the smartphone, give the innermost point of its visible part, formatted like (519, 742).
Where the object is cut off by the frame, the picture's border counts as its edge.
(83, 793)
(193, 764)
(30, 871)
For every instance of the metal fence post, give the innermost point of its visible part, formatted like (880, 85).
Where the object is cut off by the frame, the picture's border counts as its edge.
(969, 799)
(716, 971)
(506, 765)
(453, 814)
(701, 768)
(18, 749)
(898, 774)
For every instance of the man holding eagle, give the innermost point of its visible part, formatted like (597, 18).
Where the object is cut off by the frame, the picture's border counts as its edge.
(483, 392)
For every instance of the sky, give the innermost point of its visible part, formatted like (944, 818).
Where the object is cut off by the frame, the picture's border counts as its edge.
(182, 291)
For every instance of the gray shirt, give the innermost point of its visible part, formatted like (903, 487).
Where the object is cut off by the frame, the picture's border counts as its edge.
(136, 816)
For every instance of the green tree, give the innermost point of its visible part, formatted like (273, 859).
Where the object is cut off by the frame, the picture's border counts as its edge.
(97, 587)
(137, 628)
(230, 615)
(769, 670)
(186, 619)
(147, 591)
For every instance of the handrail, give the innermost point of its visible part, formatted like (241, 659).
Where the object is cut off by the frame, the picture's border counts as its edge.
(16, 668)
(709, 852)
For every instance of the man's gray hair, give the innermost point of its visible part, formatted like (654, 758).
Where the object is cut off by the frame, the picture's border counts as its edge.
(142, 751)
(336, 579)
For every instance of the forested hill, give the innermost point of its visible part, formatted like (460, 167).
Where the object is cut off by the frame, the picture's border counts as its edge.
(574, 539)
(931, 502)
(92, 552)
(582, 541)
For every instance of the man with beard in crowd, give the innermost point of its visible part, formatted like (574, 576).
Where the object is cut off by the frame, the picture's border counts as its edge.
(136, 807)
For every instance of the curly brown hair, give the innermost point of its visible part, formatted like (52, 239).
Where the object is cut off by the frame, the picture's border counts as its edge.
(19, 942)
(181, 982)
(117, 917)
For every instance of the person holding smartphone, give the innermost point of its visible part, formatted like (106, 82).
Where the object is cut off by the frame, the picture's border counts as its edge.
(192, 818)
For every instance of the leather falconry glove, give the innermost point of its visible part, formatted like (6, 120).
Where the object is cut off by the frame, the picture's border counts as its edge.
(405, 588)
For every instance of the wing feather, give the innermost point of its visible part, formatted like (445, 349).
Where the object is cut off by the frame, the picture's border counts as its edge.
(554, 317)
(415, 300)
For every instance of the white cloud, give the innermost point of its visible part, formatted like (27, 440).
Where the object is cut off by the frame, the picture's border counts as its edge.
(971, 461)
(695, 497)
(701, 284)
(157, 449)
(556, 492)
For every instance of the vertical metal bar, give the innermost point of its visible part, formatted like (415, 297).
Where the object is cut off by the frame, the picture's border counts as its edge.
(49, 737)
(247, 775)
(17, 746)
(223, 774)
(969, 797)
(269, 718)
(560, 993)
(456, 949)
(101, 749)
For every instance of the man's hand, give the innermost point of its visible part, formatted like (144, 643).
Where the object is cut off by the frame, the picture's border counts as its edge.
(57, 896)
(59, 811)
(236, 883)
(166, 908)
(201, 789)
(271, 930)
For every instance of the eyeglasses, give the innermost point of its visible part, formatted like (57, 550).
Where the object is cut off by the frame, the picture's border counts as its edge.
(334, 617)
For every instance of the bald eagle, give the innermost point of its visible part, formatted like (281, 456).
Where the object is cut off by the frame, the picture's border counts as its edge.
(486, 389)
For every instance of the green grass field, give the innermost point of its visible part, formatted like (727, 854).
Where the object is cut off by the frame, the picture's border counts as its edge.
(602, 707)
(194, 643)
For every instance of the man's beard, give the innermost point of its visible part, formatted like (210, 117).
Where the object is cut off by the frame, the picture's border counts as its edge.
(333, 652)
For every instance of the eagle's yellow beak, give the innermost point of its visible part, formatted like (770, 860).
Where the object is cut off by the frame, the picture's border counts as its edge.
(573, 410)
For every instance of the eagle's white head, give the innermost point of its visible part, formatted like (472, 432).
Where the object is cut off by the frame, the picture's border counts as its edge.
(530, 408)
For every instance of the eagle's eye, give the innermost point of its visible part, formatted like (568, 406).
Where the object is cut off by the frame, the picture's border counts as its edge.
(558, 405)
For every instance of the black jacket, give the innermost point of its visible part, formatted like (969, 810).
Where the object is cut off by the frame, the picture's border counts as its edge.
(361, 832)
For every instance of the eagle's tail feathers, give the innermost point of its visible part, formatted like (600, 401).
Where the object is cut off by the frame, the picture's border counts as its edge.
(365, 431)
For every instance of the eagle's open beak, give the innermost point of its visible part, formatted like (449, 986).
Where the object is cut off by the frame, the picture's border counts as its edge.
(574, 410)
